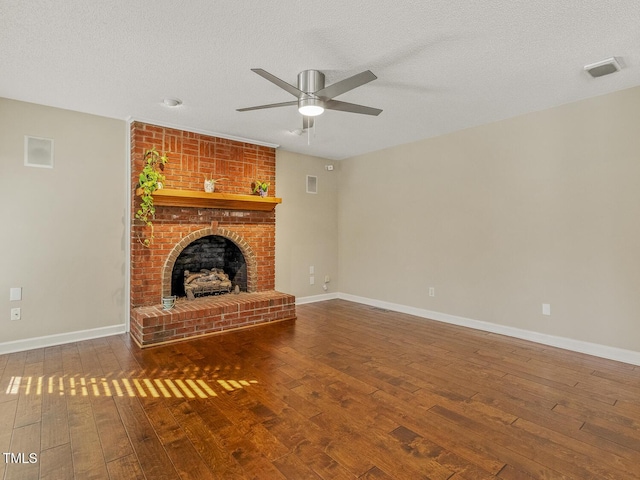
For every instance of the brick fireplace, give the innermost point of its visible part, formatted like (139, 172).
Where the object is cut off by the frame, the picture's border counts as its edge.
(179, 223)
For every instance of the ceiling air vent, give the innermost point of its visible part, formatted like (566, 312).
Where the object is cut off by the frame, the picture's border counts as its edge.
(602, 68)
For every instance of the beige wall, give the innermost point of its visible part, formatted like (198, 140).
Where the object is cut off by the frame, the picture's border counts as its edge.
(542, 208)
(62, 228)
(499, 219)
(306, 225)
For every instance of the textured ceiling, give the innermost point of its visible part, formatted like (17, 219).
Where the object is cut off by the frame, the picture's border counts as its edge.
(441, 65)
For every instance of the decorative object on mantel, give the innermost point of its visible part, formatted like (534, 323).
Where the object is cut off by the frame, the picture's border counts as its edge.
(151, 179)
(210, 184)
(261, 188)
(168, 302)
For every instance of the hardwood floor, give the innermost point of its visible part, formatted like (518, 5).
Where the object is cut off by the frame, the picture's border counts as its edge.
(348, 391)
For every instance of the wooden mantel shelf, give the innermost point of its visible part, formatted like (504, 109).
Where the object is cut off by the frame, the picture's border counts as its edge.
(191, 198)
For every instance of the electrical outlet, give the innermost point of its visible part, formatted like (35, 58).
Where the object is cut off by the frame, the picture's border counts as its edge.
(312, 280)
(432, 292)
(16, 313)
(312, 269)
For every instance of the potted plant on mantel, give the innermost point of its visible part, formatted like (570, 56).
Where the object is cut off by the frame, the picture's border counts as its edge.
(151, 179)
(261, 188)
(210, 184)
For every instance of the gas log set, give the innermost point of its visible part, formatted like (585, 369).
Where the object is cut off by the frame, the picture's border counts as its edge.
(206, 282)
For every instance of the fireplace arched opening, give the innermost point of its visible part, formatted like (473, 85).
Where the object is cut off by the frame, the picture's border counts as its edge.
(210, 253)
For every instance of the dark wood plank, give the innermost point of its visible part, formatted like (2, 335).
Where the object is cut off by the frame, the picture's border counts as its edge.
(291, 466)
(150, 452)
(86, 450)
(180, 450)
(25, 443)
(609, 465)
(111, 431)
(55, 423)
(200, 422)
(88, 459)
(57, 463)
(30, 398)
(7, 416)
(319, 461)
(125, 467)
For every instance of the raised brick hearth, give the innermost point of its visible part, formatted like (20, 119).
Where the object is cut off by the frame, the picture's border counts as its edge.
(152, 325)
(193, 156)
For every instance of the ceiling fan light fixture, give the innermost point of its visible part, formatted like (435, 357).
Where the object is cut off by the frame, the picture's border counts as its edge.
(310, 107)
(311, 110)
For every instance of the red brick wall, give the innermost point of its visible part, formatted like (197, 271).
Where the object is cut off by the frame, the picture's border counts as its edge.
(193, 156)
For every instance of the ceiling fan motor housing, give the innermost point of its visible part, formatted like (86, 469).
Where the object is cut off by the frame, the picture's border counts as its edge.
(310, 81)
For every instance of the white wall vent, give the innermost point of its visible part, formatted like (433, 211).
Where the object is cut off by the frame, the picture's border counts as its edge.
(38, 152)
(312, 184)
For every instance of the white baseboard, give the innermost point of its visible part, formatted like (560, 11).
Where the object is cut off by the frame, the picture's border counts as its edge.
(316, 298)
(597, 350)
(60, 338)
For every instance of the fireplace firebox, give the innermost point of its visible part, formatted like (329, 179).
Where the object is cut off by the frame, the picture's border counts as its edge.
(201, 257)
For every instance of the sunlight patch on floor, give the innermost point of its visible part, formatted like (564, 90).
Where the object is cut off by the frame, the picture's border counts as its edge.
(123, 387)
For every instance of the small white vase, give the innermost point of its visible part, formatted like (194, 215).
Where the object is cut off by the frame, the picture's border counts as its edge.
(209, 186)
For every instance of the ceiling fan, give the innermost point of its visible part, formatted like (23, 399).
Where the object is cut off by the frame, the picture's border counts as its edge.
(313, 97)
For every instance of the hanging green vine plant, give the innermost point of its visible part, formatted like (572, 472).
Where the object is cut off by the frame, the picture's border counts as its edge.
(151, 179)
